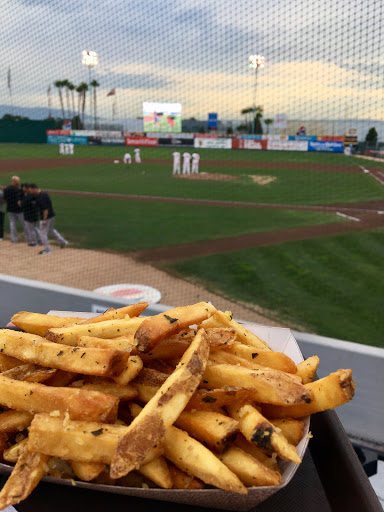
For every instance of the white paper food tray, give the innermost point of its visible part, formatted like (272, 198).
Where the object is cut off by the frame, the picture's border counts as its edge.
(278, 339)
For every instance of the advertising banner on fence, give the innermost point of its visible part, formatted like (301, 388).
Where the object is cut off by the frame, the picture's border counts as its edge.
(159, 135)
(205, 135)
(326, 146)
(249, 144)
(302, 137)
(66, 139)
(113, 141)
(84, 133)
(94, 141)
(175, 141)
(213, 143)
(58, 132)
(141, 141)
(331, 137)
(255, 137)
(277, 137)
(287, 145)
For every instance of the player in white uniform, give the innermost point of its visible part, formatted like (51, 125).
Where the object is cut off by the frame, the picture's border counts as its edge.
(137, 156)
(195, 163)
(71, 149)
(61, 149)
(186, 163)
(127, 158)
(176, 162)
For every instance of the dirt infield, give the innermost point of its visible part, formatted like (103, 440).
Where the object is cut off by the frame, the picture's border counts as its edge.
(207, 176)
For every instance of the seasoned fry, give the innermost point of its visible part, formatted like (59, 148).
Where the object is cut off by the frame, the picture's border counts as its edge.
(214, 430)
(105, 386)
(25, 476)
(182, 480)
(87, 471)
(220, 319)
(292, 430)
(33, 348)
(106, 329)
(307, 369)
(336, 389)
(30, 373)
(36, 323)
(192, 457)
(250, 470)
(162, 410)
(114, 314)
(35, 398)
(257, 452)
(14, 421)
(78, 440)
(271, 386)
(13, 453)
(148, 383)
(61, 378)
(126, 344)
(203, 399)
(275, 360)
(131, 371)
(7, 362)
(261, 432)
(157, 471)
(156, 328)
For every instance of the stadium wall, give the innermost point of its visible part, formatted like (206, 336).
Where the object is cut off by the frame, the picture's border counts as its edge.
(24, 130)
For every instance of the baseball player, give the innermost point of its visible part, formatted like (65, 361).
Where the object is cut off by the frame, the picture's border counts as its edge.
(127, 158)
(71, 149)
(176, 162)
(61, 149)
(137, 156)
(186, 163)
(195, 163)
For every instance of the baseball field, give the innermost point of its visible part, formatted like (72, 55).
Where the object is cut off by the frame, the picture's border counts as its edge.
(299, 235)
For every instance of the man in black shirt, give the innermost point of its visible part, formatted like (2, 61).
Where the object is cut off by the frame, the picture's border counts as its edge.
(31, 216)
(13, 196)
(47, 219)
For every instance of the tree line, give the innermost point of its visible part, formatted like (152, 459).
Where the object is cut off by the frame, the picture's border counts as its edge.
(78, 114)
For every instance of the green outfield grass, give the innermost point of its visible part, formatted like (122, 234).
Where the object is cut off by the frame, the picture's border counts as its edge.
(296, 187)
(94, 223)
(331, 286)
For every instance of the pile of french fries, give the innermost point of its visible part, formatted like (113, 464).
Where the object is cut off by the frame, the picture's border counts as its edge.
(186, 399)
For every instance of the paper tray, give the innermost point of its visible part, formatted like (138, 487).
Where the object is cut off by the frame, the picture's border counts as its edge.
(278, 339)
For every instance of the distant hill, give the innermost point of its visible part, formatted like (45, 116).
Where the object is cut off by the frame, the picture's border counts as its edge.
(31, 112)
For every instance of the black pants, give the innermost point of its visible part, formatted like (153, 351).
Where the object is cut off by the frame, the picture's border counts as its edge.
(1, 225)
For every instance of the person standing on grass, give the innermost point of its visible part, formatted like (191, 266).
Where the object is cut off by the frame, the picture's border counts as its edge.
(31, 216)
(176, 162)
(137, 156)
(195, 163)
(47, 219)
(13, 195)
(186, 163)
(1, 214)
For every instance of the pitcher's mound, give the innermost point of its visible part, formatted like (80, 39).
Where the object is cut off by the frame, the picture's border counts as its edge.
(207, 176)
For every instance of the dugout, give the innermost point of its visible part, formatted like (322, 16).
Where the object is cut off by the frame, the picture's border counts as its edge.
(25, 130)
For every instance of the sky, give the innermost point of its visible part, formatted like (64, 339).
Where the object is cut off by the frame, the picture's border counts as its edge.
(324, 58)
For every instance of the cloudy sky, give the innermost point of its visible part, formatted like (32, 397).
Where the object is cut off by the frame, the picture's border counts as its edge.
(324, 58)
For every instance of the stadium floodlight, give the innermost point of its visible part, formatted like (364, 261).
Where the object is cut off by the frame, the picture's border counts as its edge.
(90, 59)
(255, 62)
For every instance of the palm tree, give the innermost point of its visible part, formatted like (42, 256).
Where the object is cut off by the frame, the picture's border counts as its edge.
(59, 84)
(82, 90)
(258, 115)
(94, 84)
(65, 84)
(71, 87)
(268, 122)
(245, 112)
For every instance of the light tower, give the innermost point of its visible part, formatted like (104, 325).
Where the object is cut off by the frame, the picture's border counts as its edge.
(89, 59)
(255, 62)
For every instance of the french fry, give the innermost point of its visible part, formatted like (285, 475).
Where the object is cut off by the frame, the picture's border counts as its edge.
(30, 373)
(121, 392)
(162, 410)
(331, 391)
(132, 369)
(271, 386)
(14, 421)
(35, 398)
(35, 349)
(157, 471)
(292, 430)
(250, 471)
(87, 471)
(3, 443)
(13, 453)
(307, 369)
(182, 480)
(61, 378)
(36, 323)
(204, 399)
(156, 328)
(126, 344)
(260, 431)
(272, 359)
(192, 457)
(158, 365)
(214, 430)
(7, 362)
(81, 441)
(114, 314)
(257, 452)
(27, 473)
(148, 383)
(220, 319)
(106, 329)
